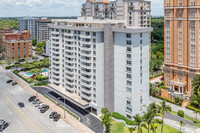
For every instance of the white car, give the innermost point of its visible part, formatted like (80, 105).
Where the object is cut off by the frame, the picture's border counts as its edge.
(40, 105)
(37, 104)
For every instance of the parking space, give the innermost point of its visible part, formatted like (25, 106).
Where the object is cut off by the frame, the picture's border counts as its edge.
(27, 119)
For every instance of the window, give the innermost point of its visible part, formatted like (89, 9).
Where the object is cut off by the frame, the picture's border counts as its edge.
(128, 82)
(128, 35)
(129, 109)
(140, 34)
(128, 42)
(168, 13)
(128, 55)
(128, 76)
(128, 89)
(128, 49)
(128, 69)
(180, 13)
(140, 41)
(128, 102)
(129, 62)
(192, 13)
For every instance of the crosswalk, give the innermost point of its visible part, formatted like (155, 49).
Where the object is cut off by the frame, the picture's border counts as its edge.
(62, 123)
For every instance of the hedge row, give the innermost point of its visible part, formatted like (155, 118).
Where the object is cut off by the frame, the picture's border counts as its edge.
(192, 108)
(156, 75)
(16, 72)
(40, 78)
(119, 116)
(42, 83)
(8, 67)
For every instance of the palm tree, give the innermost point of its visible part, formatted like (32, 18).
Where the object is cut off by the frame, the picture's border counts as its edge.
(139, 123)
(182, 124)
(196, 84)
(195, 100)
(148, 117)
(131, 129)
(163, 108)
(106, 119)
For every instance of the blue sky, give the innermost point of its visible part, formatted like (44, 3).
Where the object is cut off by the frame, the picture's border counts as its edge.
(15, 8)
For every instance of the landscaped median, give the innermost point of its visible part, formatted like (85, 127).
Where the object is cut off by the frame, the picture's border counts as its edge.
(75, 116)
(196, 122)
(120, 127)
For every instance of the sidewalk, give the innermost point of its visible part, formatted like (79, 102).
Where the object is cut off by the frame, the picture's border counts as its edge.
(69, 119)
(176, 108)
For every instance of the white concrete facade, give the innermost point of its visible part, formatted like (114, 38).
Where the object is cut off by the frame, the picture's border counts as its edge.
(137, 13)
(84, 64)
(30, 24)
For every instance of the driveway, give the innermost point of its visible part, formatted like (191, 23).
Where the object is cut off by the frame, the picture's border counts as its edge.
(85, 117)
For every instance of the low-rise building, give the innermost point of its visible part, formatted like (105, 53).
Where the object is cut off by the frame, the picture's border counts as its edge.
(17, 45)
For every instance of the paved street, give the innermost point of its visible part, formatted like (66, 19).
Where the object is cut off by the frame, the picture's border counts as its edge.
(86, 118)
(176, 108)
(28, 119)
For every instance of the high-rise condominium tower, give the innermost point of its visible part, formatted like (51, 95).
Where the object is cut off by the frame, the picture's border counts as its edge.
(182, 44)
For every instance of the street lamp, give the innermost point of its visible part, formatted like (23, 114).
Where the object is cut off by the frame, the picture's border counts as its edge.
(64, 104)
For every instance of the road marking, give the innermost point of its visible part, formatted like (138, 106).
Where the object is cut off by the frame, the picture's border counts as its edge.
(21, 112)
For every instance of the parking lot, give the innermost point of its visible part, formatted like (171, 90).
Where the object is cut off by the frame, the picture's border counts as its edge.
(27, 119)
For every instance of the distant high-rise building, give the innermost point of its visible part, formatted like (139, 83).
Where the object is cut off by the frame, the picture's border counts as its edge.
(182, 44)
(17, 45)
(137, 13)
(43, 30)
(30, 24)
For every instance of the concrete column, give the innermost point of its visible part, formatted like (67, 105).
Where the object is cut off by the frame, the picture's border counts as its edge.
(179, 89)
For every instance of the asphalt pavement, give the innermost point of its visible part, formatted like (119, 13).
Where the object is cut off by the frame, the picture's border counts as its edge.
(27, 119)
(85, 117)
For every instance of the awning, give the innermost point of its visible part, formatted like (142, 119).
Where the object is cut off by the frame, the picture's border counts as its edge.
(75, 99)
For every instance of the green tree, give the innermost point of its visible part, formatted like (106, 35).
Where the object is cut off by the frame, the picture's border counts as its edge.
(40, 47)
(196, 85)
(163, 108)
(8, 61)
(182, 124)
(138, 123)
(106, 119)
(34, 42)
(131, 129)
(36, 71)
(195, 100)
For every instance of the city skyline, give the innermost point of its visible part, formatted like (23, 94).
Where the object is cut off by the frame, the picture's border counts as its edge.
(54, 8)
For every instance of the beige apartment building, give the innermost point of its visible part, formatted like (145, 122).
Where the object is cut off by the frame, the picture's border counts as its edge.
(182, 44)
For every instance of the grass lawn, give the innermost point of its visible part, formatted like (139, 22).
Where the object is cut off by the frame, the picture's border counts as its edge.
(189, 118)
(118, 127)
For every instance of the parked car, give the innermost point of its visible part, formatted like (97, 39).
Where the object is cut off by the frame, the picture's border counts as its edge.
(52, 115)
(14, 83)
(41, 105)
(32, 98)
(56, 117)
(22, 60)
(44, 109)
(9, 81)
(37, 104)
(35, 101)
(21, 104)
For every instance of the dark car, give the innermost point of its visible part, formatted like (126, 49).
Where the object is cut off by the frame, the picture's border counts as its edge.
(21, 104)
(17, 63)
(52, 115)
(9, 81)
(14, 83)
(44, 109)
(22, 60)
(56, 117)
(32, 98)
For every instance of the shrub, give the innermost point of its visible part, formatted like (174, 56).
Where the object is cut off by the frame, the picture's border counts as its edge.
(16, 72)
(41, 83)
(192, 108)
(161, 84)
(180, 113)
(119, 116)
